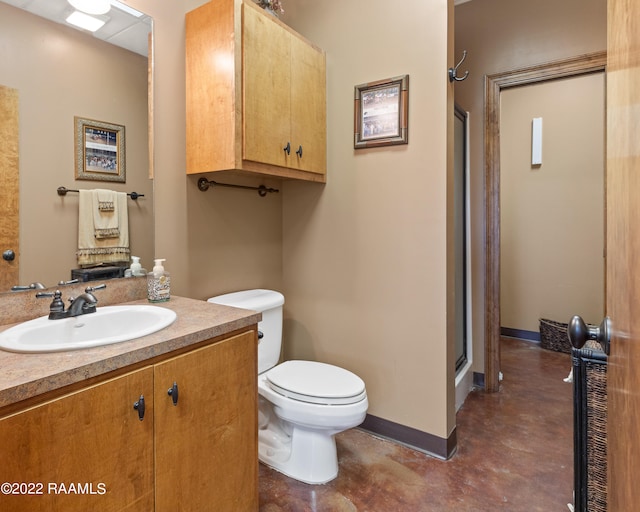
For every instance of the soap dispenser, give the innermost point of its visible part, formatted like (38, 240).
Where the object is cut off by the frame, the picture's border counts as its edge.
(158, 283)
(136, 268)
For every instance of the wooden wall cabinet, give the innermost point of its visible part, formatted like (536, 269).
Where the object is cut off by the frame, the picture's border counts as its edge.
(199, 454)
(255, 94)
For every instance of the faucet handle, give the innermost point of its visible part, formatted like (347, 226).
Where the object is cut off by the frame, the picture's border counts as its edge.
(57, 306)
(65, 283)
(32, 286)
(90, 289)
(57, 295)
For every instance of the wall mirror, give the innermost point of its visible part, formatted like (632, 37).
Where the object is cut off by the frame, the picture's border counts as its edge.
(59, 73)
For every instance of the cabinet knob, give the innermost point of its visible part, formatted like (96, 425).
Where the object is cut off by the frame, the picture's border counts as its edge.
(299, 152)
(287, 148)
(139, 406)
(173, 393)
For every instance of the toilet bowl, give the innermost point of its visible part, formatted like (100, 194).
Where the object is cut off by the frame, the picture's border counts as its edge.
(302, 404)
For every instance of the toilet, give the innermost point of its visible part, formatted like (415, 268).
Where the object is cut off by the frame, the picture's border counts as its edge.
(302, 404)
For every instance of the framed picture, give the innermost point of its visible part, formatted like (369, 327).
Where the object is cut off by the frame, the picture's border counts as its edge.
(99, 150)
(381, 113)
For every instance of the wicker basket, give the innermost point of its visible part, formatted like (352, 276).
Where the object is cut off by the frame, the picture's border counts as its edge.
(590, 428)
(553, 336)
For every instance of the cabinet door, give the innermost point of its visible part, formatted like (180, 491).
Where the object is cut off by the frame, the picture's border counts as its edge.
(266, 90)
(308, 107)
(206, 444)
(211, 88)
(84, 451)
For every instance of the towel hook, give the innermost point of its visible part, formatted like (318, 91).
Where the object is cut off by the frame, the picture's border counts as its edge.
(453, 72)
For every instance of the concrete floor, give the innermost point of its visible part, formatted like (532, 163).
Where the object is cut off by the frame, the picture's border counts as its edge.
(515, 453)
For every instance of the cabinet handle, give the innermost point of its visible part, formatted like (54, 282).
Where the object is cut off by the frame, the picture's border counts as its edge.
(173, 393)
(139, 406)
(299, 152)
(287, 148)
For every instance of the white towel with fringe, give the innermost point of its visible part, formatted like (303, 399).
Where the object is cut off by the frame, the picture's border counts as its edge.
(105, 214)
(94, 248)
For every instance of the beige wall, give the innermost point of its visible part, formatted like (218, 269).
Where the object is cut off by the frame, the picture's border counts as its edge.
(502, 35)
(365, 256)
(552, 215)
(362, 260)
(61, 73)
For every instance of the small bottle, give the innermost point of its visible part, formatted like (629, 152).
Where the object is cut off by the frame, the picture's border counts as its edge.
(136, 268)
(158, 283)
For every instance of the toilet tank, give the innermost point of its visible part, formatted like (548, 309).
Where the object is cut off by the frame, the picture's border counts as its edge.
(269, 303)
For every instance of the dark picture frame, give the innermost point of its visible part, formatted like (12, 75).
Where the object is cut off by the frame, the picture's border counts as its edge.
(99, 150)
(381, 113)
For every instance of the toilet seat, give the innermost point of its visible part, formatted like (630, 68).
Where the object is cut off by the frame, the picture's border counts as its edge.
(316, 383)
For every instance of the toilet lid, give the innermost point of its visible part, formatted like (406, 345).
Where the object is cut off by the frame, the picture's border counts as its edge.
(317, 383)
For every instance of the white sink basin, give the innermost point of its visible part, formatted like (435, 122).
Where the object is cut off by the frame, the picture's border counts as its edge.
(109, 324)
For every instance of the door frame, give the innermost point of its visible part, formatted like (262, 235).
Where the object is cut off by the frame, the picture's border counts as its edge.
(463, 365)
(494, 84)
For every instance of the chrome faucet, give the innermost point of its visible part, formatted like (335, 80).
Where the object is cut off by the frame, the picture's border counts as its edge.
(81, 305)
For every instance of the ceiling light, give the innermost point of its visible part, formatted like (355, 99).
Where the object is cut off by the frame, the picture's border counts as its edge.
(79, 19)
(92, 6)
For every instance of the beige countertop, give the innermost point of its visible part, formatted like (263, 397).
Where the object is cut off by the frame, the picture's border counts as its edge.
(24, 376)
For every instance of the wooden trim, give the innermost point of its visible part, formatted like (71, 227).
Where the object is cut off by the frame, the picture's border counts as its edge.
(494, 84)
(478, 380)
(150, 103)
(416, 439)
(520, 334)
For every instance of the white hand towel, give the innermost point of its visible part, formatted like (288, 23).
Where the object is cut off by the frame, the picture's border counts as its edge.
(105, 214)
(95, 251)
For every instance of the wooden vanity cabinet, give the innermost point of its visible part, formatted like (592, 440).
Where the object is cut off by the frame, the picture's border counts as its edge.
(207, 443)
(84, 451)
(197, 455)
(256, 94)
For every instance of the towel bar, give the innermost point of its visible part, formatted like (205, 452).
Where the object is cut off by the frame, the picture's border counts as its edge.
(204, 183)
(62, 191)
